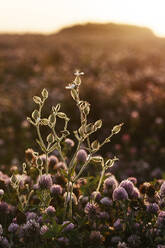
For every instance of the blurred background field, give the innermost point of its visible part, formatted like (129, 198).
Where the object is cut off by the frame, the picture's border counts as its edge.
(124, 81)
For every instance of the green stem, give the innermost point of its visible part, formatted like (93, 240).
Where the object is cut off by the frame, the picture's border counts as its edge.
(66, 202)
(70, 202)
(47, 166)
(101, 179)
(82, 169)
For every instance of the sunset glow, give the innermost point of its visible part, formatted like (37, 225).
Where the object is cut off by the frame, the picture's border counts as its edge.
(51, 15)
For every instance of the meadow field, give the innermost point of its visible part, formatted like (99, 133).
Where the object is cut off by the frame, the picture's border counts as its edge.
(51, 194)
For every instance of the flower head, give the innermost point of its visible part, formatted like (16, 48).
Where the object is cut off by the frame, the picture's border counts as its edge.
(45, 181)
(120, 194)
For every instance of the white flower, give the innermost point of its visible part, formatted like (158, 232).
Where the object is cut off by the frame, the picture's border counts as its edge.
(77, 73)
(70, 86)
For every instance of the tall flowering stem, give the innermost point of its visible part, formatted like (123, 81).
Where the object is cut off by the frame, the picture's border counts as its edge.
(82, 135)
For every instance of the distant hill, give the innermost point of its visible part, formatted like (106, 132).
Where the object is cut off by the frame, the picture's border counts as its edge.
(107, 29)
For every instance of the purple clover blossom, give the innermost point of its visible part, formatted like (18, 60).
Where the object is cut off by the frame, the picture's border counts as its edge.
(118, 225)
(69, 227)
(43, 229)
(134, 241)
(69, 142)
(110, 183)
(106, 201)
(161, 219)
(92, 210)
(104, 215)
(4, 243)
(31, 216)
(133, 180)
(45, 181)
(82, 156)
(56, 189)
(153, 208)
(1, 192)
(31, 227)
(128, 186)
(96, 195)
(53, 160)
(135, 193)
(96, 237)
(1, 230)
(4, 208)
(63, 241)
(162, 190)
(120, 194)
(13, 227)
(50, 210)
(115, 239)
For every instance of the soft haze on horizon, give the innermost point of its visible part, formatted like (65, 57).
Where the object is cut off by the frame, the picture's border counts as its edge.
(51, 15)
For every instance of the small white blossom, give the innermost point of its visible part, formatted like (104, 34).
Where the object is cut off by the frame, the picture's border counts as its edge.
(77, 73)
(70, 86)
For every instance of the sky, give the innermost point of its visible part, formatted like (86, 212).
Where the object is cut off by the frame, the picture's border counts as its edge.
(48, 16)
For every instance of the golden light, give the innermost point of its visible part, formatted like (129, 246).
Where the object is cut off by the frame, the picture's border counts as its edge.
(50, 15)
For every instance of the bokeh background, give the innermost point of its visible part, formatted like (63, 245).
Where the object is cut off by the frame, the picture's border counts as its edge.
(119, 45)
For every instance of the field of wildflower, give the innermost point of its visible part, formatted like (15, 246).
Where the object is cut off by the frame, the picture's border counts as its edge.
(82, 158)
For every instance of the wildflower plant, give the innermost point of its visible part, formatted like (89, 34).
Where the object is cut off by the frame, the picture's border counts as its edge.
(82, 135)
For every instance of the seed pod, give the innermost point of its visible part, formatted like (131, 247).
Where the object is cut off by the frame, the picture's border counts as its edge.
(39, 162)
(74, 95)
(116, 129)
(95, 145)
(35, 114)
(44, 122)
(52, 118)
(50, 138)
(61, 115)
(45, 93)
(97, 159)
(98, 124)
(37, 99)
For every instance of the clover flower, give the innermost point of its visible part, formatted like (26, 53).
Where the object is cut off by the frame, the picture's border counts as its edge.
(115, 239)
(133, 180)
(106, 201)
(1, 192)
(104, 215)
(162, 190)
(69, 227)
(56, 189)
(153, 208)
(63, 241)
(82, 156)
(31, 216)
(4, 243)
(118, 225)
(43, 230)
(120, 194)
(96, 237)
(31, 227)
(96, 195)
(161, 219)
(69, 142)
(110, 184)
(135, 193)
(92, 210)
(13, 227)
(45, 181)
(134, 241)
(50, 210)
(4, 207)
(53, 160)
(1, 230)
(128, 186)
